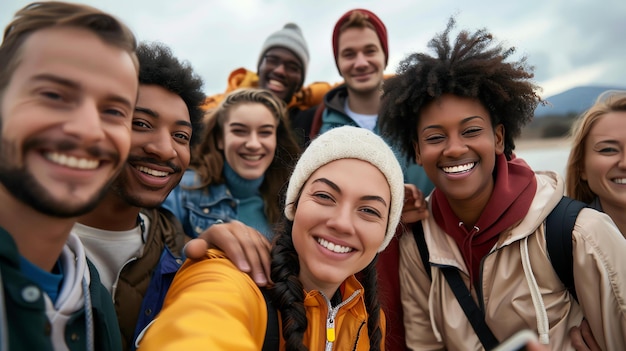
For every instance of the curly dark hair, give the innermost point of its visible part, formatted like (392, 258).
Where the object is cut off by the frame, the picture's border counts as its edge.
(158, 66)
(288, 294)
(474, 66)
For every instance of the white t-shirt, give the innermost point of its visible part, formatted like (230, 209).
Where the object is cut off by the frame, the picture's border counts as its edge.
(364, 121)
(110, 250)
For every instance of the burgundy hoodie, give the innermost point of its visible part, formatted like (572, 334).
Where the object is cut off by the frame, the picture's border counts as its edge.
(514, 189)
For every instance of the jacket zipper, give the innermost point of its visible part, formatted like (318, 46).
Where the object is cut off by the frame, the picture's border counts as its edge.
(479, 287)
(117, 278)
(330, 319)
(144, 236)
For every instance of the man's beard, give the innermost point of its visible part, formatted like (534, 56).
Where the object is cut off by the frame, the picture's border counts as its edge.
(135, 197)
(119, 187)
(23, 185)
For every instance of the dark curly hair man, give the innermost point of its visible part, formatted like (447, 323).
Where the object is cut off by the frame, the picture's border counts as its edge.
(159, 66)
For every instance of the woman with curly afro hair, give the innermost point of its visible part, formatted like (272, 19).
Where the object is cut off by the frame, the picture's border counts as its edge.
(459, 112)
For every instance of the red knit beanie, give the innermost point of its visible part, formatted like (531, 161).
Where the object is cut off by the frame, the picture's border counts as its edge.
(379, 27)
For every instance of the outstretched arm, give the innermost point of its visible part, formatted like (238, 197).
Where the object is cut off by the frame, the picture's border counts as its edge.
(211, 305)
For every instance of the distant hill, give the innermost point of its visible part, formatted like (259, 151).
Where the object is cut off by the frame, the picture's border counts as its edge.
(555, 119)
(573, 101)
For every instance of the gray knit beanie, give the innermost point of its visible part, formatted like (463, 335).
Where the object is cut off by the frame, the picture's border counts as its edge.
(350, 142)
(289, 37)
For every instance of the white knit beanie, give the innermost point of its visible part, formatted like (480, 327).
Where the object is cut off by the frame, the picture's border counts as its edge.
(350, 142)
(289, 37)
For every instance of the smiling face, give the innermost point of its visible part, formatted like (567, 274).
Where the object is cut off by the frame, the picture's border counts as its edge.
(361, 59)
(281, 72)
(457, 146)
(159, 151)
(605, 160)
(249, 140)
(340, 222)
(66, 118)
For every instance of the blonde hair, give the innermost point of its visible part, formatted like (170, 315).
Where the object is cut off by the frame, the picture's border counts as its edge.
(575, 186)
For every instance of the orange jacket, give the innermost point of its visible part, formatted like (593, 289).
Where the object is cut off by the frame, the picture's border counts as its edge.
(211, 305)
(307, 97)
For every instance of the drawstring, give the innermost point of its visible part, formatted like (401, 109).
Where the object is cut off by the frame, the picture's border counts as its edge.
(468, 243)
(4, 333)
(88, 316)
(543, 325)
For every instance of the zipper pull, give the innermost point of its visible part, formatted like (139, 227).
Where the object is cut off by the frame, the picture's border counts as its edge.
(330, 330)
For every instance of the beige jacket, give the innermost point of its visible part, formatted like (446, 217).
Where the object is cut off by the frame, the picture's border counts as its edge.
(519, 286)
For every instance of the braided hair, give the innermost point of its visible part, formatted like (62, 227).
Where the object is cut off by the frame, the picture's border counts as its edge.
(288, 293)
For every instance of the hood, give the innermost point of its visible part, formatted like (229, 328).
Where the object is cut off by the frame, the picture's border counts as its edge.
(71, 295)
(550, 190)
(335, 99)
(513, 191)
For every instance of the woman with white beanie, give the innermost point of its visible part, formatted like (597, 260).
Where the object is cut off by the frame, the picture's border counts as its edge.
(343, 203)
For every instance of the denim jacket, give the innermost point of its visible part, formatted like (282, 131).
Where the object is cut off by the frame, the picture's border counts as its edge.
(198, 209)
(155, 294)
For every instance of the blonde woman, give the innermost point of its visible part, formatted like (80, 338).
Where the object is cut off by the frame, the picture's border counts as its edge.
(596, 169)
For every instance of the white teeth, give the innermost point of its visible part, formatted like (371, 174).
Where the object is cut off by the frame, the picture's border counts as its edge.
(152, 172)
(275, 82)
(459, 169)
(252, 157)
(334, 247)
(619, 180)
(71, 161)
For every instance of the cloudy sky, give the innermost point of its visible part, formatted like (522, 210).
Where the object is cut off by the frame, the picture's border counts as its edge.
(569, 42)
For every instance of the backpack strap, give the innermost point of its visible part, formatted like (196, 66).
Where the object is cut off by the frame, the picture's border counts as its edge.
(272, 337)
(473, 313)
(316, 123)
(418, 234)
(461, 292)
(559, 226)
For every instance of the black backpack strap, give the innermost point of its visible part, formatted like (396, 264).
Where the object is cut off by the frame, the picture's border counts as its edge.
(462, 294)
(472, 311)
(418, 234)
(559, 226)
(272, 337)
